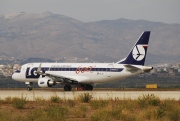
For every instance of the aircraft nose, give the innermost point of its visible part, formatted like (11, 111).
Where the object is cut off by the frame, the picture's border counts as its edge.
(15, 76)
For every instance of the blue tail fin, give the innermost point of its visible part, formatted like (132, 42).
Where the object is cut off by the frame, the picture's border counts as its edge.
(137, 55)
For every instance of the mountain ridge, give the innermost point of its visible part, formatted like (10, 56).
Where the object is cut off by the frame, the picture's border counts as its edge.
(54, 36)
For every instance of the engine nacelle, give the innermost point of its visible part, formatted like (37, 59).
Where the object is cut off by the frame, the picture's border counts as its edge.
(46, 82)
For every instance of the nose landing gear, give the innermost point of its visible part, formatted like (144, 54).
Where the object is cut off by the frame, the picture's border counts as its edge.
(29, 88)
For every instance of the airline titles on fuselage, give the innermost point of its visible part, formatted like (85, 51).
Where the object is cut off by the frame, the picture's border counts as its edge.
(30, 72)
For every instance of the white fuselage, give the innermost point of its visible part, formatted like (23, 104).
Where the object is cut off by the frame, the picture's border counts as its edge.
(85, 73)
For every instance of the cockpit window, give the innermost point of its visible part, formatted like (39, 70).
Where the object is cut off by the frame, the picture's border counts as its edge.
(17, 71)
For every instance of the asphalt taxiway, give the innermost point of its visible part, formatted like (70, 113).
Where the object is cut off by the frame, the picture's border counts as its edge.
(47, 94)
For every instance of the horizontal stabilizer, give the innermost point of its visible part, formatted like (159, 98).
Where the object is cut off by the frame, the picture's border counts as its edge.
(132, 69)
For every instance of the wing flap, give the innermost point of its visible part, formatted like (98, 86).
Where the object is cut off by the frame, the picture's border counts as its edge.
(62, 79)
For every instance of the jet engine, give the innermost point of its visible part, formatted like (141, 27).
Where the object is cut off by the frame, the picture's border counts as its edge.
(46, 82)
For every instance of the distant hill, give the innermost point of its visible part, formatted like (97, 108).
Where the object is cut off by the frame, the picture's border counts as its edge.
(55, 36)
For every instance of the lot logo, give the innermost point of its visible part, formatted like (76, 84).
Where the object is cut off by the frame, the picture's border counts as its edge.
(30, 73)
(138, 52)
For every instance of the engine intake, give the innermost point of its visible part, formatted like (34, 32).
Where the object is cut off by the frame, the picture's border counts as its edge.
(46, 82)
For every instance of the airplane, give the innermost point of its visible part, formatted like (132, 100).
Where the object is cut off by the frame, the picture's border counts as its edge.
(85, 75)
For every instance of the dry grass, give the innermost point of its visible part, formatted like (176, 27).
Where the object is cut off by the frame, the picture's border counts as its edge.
(147, 107)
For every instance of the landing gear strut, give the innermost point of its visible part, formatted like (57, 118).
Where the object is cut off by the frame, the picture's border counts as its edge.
(67, 88)
(29, 88)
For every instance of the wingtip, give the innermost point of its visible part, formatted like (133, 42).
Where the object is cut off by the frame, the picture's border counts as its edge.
(39, 68)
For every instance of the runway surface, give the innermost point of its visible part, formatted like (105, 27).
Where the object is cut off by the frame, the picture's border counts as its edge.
(46, 94)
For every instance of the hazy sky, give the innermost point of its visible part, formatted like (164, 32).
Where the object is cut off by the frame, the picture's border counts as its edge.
(167, 11)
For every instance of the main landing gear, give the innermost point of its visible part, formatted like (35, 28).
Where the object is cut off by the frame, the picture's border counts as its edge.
(82, 87)
(67, 88)
(88, 87)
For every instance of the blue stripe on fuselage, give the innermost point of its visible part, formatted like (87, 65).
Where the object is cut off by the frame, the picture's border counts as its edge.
(30, 72)
(74, 69)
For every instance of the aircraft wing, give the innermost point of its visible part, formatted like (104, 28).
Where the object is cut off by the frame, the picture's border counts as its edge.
(57, 78)
(61, 79)
(132, 69)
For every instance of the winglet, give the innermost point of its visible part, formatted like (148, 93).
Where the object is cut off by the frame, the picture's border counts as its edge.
(39, 70)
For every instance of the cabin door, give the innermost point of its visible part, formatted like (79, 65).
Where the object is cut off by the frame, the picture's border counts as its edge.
(108, 70)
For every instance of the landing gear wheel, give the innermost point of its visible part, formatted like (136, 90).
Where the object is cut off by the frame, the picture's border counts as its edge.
(88, 87)
(29, 88)
(67, 88)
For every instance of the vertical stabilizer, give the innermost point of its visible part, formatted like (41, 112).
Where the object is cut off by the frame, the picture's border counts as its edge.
(137, 55)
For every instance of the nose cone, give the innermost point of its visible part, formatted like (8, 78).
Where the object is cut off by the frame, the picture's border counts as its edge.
(16, 76)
